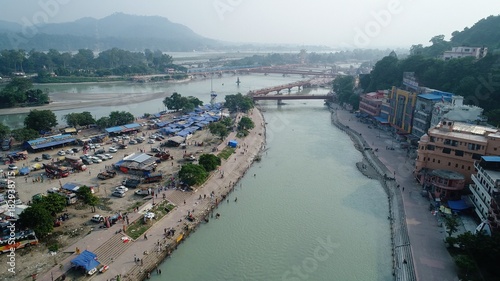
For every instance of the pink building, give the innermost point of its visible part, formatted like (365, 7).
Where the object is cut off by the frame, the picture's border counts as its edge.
(371, 103)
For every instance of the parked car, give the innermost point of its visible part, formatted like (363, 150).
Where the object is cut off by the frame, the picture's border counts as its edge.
(69, 151)
(75, 149)
(126, 137)
(109, 156)
(97, 218)
(46, 156)
(87, 161)
(112, 149)
(38, 159)
(101, 156)
(132, 142)
(12, 167)
(61, 153)
(121, 188)
(151, 141)
(96, 160)
(149, 215)
(118, 193)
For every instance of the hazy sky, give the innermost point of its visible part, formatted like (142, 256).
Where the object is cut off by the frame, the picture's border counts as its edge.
(344, 23)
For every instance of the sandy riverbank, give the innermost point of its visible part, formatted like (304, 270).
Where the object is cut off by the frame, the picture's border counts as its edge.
(68, 100)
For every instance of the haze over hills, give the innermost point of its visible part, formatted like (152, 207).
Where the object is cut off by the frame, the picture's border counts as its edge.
(129, 32)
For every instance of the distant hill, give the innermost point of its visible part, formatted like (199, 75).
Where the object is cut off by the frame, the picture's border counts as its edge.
(129, 32)
(485, 32)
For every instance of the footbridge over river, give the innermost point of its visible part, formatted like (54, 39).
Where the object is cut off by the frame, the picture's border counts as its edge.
(263, 94)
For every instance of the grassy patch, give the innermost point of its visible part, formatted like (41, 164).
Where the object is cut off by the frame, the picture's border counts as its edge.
(138, 227)
(226, 152)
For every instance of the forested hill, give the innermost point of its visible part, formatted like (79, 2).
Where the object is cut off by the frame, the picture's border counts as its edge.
(129, 32)
(485, 32)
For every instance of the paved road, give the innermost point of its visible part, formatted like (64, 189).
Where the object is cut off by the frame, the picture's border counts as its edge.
(430, 257)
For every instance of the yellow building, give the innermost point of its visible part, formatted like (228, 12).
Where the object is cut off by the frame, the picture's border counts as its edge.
(455, 146)
(402, 104)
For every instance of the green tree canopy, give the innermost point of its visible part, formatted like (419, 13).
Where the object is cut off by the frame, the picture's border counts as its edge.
(79, 119)
(38, 218)
(245, 123)
(53, 202)
(238, 102)
(192, 174)
(4, 131)
(218, 129)
(85, 193)
(40, 120)
(24, 134)
(209, 161)
(118, 118)
(177, 102)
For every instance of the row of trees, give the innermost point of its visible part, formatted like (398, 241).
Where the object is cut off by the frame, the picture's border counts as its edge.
(115, 118)
(20, 92)
(84, 63)
(195, 174)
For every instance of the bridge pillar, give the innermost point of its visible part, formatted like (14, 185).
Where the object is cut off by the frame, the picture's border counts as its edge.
(279, 102)
(289, 90)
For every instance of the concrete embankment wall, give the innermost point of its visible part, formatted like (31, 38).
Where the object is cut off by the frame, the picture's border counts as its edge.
(403, 267)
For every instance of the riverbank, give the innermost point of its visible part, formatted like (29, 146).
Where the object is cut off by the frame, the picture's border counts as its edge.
(403, 268)
(72, 100)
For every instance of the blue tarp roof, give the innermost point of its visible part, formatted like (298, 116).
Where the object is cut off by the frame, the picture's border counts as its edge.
(491, 158)
(124, 128)
(86, 260)
(71, 186)
(233, 143)
(114, 129)
(381, 119)
(436, 96)
(458, 205)
(49, 141)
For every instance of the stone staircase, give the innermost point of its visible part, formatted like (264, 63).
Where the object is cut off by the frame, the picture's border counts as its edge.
(112, 248)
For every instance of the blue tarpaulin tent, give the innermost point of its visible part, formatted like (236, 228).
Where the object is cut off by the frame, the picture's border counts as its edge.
(87, 260)
(233, 143)
(457, 205)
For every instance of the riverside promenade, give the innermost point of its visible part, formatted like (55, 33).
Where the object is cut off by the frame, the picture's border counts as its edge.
(430, 258)
(153, 249)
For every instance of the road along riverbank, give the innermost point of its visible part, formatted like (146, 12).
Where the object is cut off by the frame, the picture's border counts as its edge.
(403, 268)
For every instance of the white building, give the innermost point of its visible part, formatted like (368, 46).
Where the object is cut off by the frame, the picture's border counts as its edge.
(461, 52)
(485, 190)
(456, 111)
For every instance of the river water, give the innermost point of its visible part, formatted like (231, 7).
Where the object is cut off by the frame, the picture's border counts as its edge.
(308, 214)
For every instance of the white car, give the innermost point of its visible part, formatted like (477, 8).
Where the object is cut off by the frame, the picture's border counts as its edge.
(12, 167)
(96, 160)
(101, 156)
(121, 188)
(118, 193)
(126, 137)
(61, 153)
(97, 218)
(151, 141)
(69, 151)
(97, 145)
(109, 156)
(113, 149)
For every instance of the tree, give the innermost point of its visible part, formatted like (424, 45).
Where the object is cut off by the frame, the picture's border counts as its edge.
(227, 121)
(177, 102)
(40, 120)
(24, 134)
(53, 202)
(173, 102)
(209, 162)
(245, 123)
(4, 131)
(103, 122)
(238, 102)
(218, 129)
(85, 193)
(118, 118)
(192, 174)
(38, 218)
(79, 119)
(451, 223)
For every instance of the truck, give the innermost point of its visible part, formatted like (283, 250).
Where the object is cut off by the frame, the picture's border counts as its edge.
(163, 155)
(76, 163)
(56, 171)
(131, 182)
(153, 178)
(108, 174)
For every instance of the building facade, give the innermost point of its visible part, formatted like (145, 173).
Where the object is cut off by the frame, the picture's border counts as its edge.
(455, 146)
(402, 104)
(424, 108)
(462, 52)
(444, 184)
(371, 103)
(457, 111)
(485, 188)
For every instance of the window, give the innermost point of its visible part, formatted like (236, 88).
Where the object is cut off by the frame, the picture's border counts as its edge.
(430, 147)
(463, 167)
(459, 153)
(433, 160)
(446, 150)
(439, 161)
(456, 165)
(449, 163)
(476, 156)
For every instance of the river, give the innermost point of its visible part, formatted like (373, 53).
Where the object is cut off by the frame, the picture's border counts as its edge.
(308, 214)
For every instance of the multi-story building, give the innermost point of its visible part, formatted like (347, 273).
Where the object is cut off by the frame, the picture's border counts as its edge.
(485, 190)
(455, 146)
(402, 104)
(461, 52)
(444, 184)
(457, 111)
(424, 109)
(371, 103)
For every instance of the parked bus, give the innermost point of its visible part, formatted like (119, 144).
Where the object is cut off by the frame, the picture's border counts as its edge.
(23, 239)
